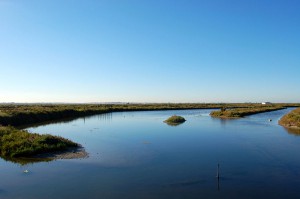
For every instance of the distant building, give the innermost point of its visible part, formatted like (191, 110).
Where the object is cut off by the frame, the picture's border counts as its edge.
(265, 103)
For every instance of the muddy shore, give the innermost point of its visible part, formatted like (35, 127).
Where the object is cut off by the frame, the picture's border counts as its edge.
(71, 153)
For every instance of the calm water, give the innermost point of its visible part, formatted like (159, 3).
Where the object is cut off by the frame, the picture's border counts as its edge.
(136, 155)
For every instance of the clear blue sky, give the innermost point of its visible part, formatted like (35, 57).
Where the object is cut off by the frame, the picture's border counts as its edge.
(149, 51)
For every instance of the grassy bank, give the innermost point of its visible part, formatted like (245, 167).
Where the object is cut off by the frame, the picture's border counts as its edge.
(21, 143)
(291, 120)
(241, 112)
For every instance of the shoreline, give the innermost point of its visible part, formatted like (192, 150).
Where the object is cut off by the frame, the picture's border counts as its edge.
(288, 126)
(70, 153)
(226, 117)
(291, 120)
(243, 112)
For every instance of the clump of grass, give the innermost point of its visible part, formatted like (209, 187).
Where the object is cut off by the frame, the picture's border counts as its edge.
(175, 120)
(291, 120)
(21, 143)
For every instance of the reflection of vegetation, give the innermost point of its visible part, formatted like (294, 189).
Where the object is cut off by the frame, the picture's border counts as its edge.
(175, 120)
(25, 161)
(20, 143)
(293, 131)
(291, 120)
(241, 112)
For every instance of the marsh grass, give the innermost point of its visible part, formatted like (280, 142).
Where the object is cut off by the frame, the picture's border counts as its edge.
(20, 143)
(175, 120)
(291, 120)
(241, 112)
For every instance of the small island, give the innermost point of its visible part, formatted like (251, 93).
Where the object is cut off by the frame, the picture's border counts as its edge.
(175, 120)
(15, 143)
(291, 120)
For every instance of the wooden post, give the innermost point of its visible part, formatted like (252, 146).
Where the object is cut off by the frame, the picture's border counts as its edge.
(218, 176)
(218, 171)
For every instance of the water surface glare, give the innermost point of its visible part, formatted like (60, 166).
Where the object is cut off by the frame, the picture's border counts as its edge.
(136, 155)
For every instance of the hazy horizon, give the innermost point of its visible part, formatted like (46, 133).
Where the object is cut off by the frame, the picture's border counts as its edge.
(205, 51)
(145, 102)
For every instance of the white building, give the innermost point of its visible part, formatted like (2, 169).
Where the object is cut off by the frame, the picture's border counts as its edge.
(265, 103)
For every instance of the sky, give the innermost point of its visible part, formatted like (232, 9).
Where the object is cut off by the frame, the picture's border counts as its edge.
(83, 51)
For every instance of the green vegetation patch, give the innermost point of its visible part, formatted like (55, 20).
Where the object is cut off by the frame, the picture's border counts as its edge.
(21, 143)
(241, 112)
(175, 120)
(291, 120)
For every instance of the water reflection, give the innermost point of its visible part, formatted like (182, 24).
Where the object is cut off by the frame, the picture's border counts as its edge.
(224, 121)
(71, 153)
(187, 183)
(26, 161)
(61, 121)
(100, 117)
(293, 131)
(173, 124)
(105, 117)
(218, 184)
(2, 191)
